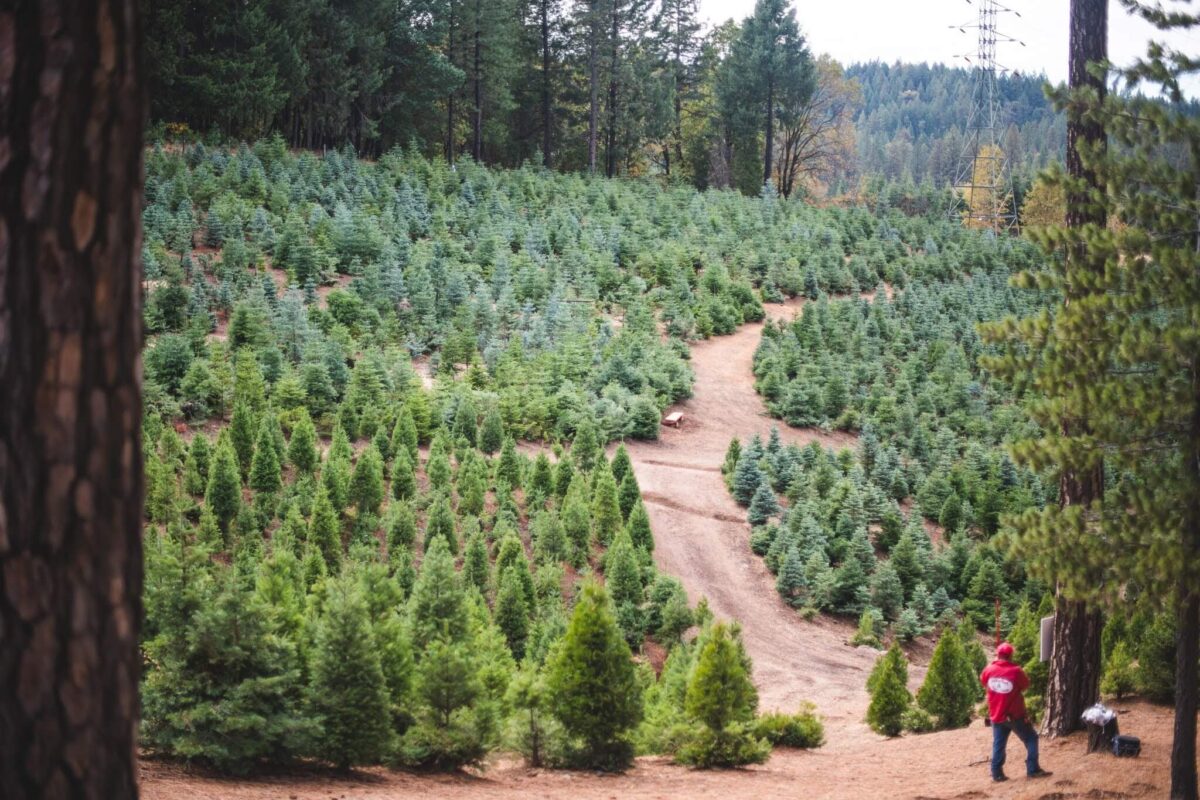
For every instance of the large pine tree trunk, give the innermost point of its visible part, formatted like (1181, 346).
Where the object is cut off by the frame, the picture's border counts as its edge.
(71, 118)
(1074, 682)
(1187, 651)
(1075, 666)
(610, 139)
(546, 123)
(593, 81)
(450, 111)
(1089, 44)
(677, 131)
(477, 112)
(770, 132)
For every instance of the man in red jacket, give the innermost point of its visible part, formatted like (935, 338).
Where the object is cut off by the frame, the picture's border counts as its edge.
(1005, 683)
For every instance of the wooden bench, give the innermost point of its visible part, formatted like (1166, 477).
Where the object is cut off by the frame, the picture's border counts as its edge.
(673, 419)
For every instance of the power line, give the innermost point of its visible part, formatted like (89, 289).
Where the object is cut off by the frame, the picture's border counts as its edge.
(984, 189)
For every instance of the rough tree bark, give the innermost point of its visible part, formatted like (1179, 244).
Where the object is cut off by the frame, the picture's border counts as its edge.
(1074, 682)
(769, 147)
(71, 119)
(1187, 646)
(547, 124)
(593, 81)
(477, 70)
(610, 136)
(450, 112)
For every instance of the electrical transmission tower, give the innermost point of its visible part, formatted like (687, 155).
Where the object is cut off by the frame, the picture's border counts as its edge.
(984, 189)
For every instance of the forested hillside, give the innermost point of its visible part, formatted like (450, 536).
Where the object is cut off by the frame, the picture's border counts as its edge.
(616, 87)
(619, 87)
(914, 118)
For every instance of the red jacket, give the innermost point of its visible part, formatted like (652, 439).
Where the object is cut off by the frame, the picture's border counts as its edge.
(1005, 682)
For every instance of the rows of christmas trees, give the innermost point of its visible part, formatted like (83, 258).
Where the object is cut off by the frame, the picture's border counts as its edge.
(404, 586)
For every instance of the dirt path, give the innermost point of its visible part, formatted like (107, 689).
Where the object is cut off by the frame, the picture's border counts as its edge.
(700, 537)
(937, 766)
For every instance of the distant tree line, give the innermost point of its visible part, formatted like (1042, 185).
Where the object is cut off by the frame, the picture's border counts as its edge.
(606, 86)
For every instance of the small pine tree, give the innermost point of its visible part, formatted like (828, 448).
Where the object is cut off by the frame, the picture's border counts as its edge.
(890, 698)
(348, 694)
(639, 528)
(549, 538)
(220, 685)
(302, 449)
(195, 467)
(161, 490)
(606, 509)
(241, 432)
(508, 471)
(491, 433)
(208, 533)
(404, 479)
(511, 614)
(585, 449)
(447, 734)
(949, 688)
(264, 470)
(564, 472)
(437, 608)
(466, 420)
(541, 480)
(475, 571)
(790, 582)
(404, 435)
(440, 525)
(909, 626)
(732, 455)
(592, 684)
(401, 527)
(887, 593)
(623, 575)
(335, 477)
(471, 494)
(621, 464)
(719, 691)
(578, 527)
(722, 699)
(366, 485)
(870, 626)
(628, 493)
(437, 468)
(1119, 674)
(907, 561)
(526, 696)
(324, 530)
(747, 477)
(224, 493)
(763, 505)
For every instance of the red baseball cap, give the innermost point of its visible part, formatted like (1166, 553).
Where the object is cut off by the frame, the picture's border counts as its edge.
(1004, 650)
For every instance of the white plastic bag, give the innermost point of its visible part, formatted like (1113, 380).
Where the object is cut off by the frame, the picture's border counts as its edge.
(1099, 714)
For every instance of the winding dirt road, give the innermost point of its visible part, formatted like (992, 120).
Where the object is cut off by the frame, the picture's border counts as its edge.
(701, 537)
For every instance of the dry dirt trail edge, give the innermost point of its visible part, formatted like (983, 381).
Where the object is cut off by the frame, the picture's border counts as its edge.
(702, 538)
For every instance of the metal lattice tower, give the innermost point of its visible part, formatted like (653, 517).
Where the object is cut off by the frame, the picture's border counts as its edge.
(984, 196)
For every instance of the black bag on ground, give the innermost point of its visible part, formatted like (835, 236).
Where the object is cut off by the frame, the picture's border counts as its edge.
(1128, 746)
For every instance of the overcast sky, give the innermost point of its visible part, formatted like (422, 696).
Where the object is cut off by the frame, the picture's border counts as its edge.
(920, 30)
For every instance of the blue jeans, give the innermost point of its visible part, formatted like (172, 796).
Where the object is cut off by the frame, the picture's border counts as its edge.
(1024, 732)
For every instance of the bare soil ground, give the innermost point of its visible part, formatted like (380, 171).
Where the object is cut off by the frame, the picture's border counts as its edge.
(701, 537)
(938, 766)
